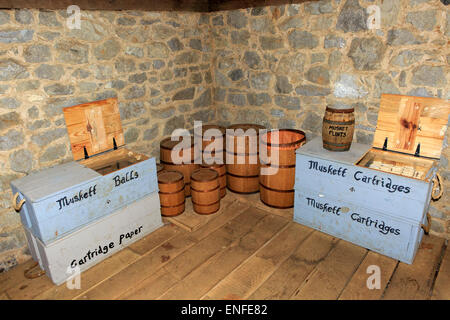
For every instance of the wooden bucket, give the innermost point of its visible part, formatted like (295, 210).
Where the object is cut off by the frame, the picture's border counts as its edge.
(207, 156)
(242, 175)
(277, 190)
(205, 191)
(337, 129)
(171, 192)
(222, 171)
(166, 147)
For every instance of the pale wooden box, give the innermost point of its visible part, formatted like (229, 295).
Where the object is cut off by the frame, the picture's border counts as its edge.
(382, 207)
(60, 258)
(64, 198)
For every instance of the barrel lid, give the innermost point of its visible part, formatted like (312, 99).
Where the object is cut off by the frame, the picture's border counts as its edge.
(94, 126)
(168, 144)
(412, 125)
(204, 174)
(169, 176)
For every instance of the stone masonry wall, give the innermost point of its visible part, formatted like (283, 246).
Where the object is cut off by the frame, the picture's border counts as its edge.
(280, 66)
(157, 64)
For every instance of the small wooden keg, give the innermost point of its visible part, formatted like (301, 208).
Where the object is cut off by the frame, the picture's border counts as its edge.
(186, 168)
(243, 158)
(208, 156)
(337, 129)
(222, 171)
(277, 187)
(171, 192)
(205, 190)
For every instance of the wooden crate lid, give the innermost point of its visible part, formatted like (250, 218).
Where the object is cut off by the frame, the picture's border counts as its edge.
(94, 125)
(407, 121)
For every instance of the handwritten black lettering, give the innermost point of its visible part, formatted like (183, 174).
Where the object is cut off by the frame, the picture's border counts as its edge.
(81, 195)
(130, 175)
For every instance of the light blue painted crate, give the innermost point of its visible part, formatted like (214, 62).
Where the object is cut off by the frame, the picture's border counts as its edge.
(97, 240)
(48, 210)
(333, 177)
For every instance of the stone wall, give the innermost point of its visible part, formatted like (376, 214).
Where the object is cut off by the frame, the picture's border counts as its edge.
(281, 66)
(157, 64)
(278, 66)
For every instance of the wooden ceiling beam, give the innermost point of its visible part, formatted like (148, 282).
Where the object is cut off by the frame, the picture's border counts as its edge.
(219, 5)
(145, 5)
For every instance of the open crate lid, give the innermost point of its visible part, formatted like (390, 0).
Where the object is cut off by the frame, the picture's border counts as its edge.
(408, 121)
(94, 126)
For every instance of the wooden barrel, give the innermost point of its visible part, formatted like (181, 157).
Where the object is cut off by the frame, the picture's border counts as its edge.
(242, 160)
(207, 155)
(277, 187)
(171, 192)
(188, 165)
(205, 189)
(222, 171)
(337, 129)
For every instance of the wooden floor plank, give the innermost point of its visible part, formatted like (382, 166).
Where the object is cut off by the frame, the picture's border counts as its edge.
(255, 201)
(151, 287)
(14, 276)
(441, 289)
(245, 279)
(190, 259)
(144, 267)
(330, 276)
(30, 288)
(154, 239)
(190, 221)
(3, 296)
(357, 288)
(92, 276)
(414, 281)
(287, 278)
(209, 246)
(202, 279)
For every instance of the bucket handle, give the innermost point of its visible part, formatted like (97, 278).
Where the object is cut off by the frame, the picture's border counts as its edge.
(15, 205)
(437, 183)
(426, 228)
(28, 272)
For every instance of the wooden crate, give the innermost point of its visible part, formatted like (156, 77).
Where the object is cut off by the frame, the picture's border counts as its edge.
(374, 189)
(64, 198)
(108, 235)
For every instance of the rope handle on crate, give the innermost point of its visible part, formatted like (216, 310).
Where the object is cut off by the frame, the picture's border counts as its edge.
(29, 275)
(15, 205)
(437, 182)
(426, 228)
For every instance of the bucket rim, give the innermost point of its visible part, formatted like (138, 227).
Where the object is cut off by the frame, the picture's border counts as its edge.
(283, 145)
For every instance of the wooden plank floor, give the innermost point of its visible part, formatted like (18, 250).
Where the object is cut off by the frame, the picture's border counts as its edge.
(249, 251)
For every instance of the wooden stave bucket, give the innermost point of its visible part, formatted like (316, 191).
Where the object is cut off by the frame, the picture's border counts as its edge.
(171, 193)
(339, 117)
(242, 178)
(205, 193)
(222, 171)
(205, 143)
(277, 190)
(186, 169)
